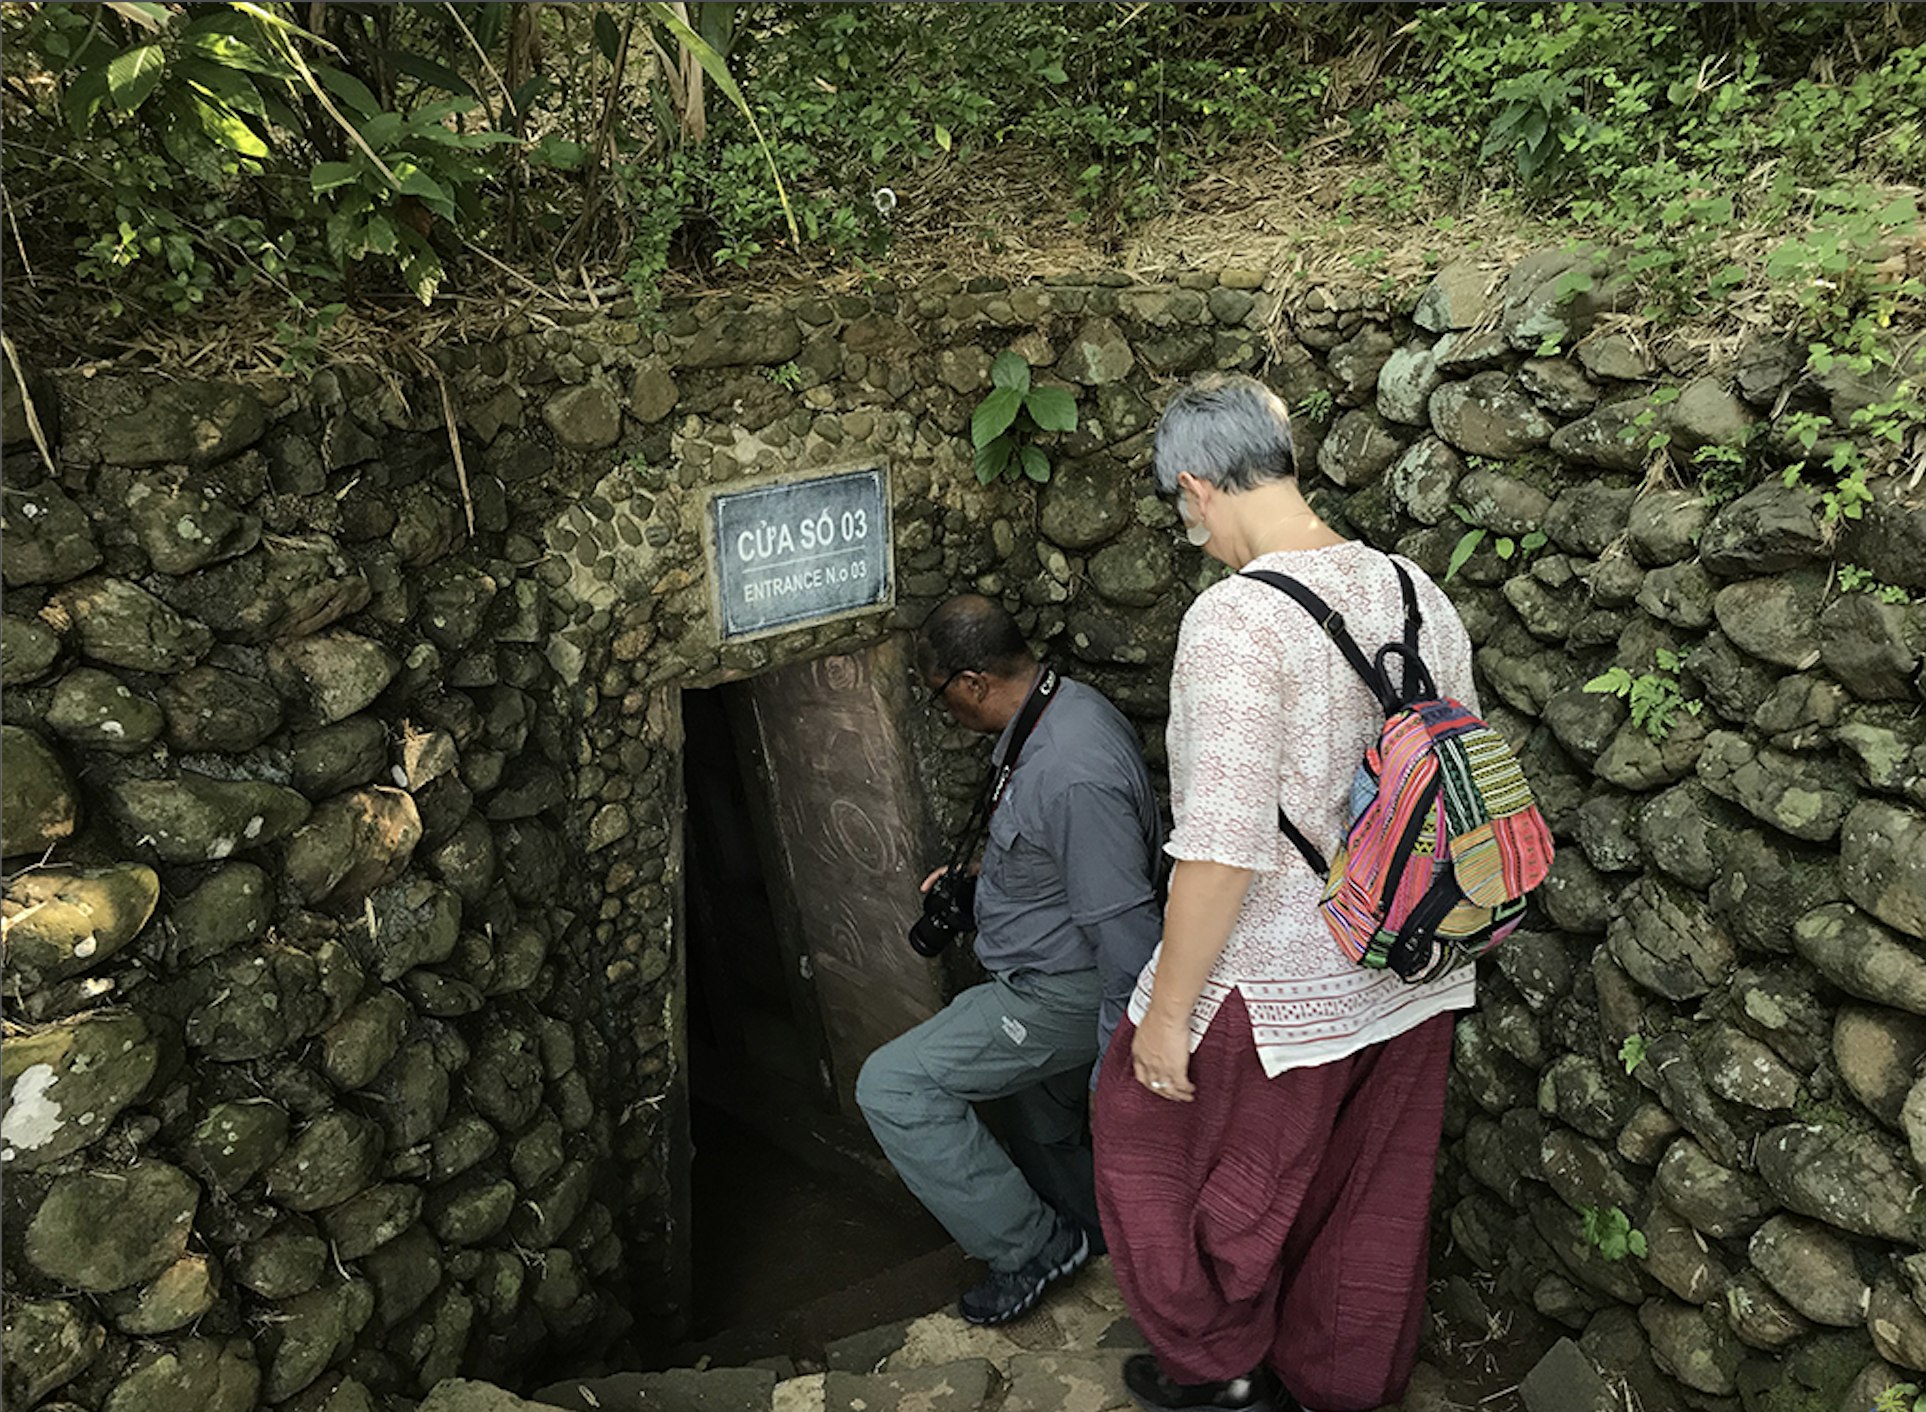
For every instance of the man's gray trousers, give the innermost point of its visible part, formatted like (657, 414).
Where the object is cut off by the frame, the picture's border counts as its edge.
(1029, 1037)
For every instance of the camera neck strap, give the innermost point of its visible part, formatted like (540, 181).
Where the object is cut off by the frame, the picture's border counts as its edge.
(1042, 693)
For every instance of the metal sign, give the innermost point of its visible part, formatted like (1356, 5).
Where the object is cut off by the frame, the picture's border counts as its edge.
(801, 551)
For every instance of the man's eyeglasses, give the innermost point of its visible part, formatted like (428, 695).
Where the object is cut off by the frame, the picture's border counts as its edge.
(936, 697)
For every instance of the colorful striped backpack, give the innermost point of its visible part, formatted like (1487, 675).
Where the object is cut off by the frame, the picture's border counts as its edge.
(1444, 840)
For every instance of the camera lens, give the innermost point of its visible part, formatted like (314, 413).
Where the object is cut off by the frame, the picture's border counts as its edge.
(928, 938)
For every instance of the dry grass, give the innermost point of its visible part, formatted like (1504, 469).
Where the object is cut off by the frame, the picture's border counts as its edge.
(1002, 213)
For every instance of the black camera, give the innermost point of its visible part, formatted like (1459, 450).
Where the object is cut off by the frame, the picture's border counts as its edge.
(949, 910)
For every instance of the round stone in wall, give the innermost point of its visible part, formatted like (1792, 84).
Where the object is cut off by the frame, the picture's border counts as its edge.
(586, 418)
(48, 1343)
(1489, 415)
(49, 538)
(331, 1160)
(38, 804)
(104, 1230)
(124, 625)
(200, 1375)
(64, 922)
(195, 819)
(65, 1084)
(97, 710)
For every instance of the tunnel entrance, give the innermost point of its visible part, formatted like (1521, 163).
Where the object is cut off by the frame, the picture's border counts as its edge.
(799, 1234)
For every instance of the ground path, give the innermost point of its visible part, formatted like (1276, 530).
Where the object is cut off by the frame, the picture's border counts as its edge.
(1065, 1356)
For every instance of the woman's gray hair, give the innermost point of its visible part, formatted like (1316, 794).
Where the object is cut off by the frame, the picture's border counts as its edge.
(1228, 430)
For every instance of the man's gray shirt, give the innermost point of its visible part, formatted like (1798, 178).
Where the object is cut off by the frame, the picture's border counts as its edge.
(1068, 869)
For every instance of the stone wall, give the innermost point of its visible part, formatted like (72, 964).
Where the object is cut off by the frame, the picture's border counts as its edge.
(348, 1045)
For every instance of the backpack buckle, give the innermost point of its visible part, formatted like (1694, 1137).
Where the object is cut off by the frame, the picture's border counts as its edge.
(1333, 623)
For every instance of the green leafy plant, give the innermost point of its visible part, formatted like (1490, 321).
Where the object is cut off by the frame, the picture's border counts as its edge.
(1632, 1053)
(1724, 472)
(1655, 697)
(1504, 546)
(1008, 419)
(1316, 404)
(1538, 123)
(1900, 1397)
(1853, 579)
(786, 375)
(1611, 1232)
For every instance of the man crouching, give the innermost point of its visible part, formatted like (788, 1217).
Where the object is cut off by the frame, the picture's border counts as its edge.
(1066, 916)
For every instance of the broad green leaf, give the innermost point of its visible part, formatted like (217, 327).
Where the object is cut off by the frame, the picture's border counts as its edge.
(216, 19)
(1036, 465)
(381, 130)
(416, 182)
(1534, 540)
(227, 127)
(83, 100)
(421, 267)
(1467, 546)
(149, 16)
(994, 415)
(943, 138)
(991, 460)
(380, 236)
(1011, 371)
(1054, 73)
(608, 37)
(232, 52)
(418, 66)
(348, 89)
(132, 74)
(221, 85)
(1052, 408)
(1504, 547)
(327, 176)
(557, 152)
(433, 116)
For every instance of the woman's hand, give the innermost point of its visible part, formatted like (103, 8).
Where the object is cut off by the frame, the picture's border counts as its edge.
(1160, 1055)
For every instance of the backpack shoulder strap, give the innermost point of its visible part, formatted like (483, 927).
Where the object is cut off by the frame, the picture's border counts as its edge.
(1306, 849)
(1413, 619)
(1332, 622)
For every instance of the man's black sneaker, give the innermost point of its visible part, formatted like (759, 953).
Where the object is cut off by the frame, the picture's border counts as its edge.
(1005, 1295)
(1154, 1390)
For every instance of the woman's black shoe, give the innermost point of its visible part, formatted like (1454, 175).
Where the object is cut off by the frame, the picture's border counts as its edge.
(1155, 1391)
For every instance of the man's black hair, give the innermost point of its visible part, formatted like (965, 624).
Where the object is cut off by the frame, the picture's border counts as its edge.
(972, 633)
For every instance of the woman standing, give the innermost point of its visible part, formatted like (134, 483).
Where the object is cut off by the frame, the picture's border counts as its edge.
(1268, 1121)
